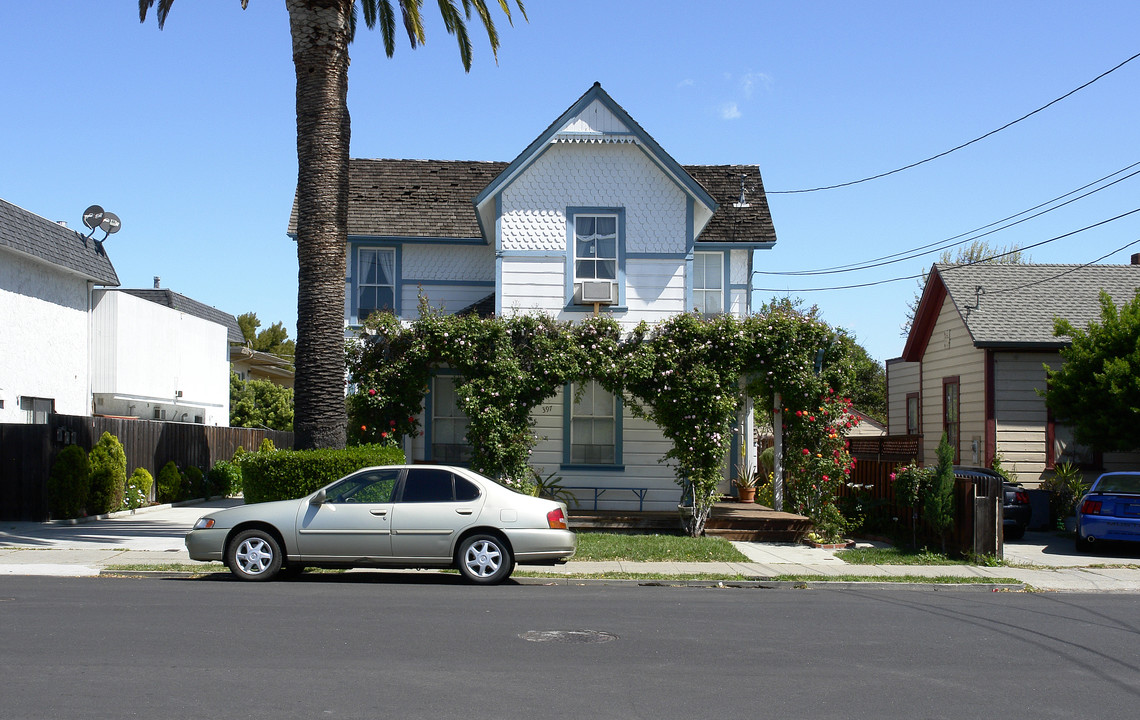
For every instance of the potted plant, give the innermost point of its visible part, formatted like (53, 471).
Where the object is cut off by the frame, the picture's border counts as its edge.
(745, 482)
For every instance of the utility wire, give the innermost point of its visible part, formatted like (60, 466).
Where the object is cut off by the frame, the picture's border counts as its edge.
(1061, 274)
(959, 147)
(976, 262)
(947, 242)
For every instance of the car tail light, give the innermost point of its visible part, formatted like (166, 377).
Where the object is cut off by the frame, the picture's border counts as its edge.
(556, 519)
(1090, 507)
(1022, 497)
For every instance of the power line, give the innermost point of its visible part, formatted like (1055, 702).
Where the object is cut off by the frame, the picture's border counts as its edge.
(947, 243)
(983, 260)
(1060, 274)
(959, 147)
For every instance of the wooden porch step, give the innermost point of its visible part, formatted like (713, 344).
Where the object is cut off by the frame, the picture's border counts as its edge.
(732, 521)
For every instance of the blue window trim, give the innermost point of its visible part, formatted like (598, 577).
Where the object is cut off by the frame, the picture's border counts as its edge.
(571, 212)
(352, 281)
(567, 405)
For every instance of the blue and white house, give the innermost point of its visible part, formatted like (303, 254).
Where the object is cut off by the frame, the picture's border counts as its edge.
(592, 216)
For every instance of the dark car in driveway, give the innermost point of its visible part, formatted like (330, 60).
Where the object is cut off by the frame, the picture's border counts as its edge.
(1015, 508)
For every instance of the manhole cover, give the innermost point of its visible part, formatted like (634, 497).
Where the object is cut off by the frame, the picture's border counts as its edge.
(568, 636)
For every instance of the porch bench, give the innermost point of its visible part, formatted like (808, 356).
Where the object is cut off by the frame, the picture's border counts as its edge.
(640, 492)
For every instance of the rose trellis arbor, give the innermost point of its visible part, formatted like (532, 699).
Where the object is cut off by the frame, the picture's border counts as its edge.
(690, 375)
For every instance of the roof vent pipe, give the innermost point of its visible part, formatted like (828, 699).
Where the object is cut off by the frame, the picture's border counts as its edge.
(157, 282)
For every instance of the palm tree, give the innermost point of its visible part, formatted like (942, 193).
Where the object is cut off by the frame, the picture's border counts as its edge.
(322, 31)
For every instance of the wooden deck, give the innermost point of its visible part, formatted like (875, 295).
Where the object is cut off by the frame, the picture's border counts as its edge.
(730, 520)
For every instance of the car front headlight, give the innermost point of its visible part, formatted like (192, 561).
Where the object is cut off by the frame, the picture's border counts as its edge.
(204, 523)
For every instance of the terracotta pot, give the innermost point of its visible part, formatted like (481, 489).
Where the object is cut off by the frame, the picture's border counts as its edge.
(746, 495)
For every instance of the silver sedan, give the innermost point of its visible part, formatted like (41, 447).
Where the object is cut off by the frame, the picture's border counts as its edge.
(408, 516)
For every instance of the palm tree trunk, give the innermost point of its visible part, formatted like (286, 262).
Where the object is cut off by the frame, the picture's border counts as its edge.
(320, 30)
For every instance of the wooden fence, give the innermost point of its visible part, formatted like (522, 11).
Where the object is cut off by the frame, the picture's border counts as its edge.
(977, 522)
(27, 452)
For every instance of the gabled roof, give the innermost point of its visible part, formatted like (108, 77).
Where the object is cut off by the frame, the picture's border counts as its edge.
(1013, 306)
(39, 238)
(596, 118)
(181, 303)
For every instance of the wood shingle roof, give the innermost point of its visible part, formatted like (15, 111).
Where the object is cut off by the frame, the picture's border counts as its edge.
(434, 199)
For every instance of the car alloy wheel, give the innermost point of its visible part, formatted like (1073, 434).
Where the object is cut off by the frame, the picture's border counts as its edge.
(485, 559)
(254, 555)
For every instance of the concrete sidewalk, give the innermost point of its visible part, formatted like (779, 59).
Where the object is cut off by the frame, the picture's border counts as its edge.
(154, 536)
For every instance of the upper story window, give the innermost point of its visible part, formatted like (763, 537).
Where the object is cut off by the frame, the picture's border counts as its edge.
(595, 247)
(912, 417)
(708, 282)
(36, 410)
(376, 286)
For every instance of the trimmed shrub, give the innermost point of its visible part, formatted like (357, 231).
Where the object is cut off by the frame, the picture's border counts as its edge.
(266, 446)
(193, 484)
(137, 492)
(169, 483)
(288, 474)
(224, 478)
(68, 483)
(108, 465)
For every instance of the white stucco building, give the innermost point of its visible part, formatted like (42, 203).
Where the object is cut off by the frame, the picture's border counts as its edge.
(73, 346)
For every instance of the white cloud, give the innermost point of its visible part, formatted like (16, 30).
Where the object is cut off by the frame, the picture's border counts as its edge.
(687, 82)
(750, 80)
(729, 111)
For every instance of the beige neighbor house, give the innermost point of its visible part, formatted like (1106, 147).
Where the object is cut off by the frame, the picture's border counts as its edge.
(973, 364)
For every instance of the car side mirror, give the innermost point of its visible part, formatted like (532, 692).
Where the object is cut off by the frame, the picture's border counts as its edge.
(318, 499)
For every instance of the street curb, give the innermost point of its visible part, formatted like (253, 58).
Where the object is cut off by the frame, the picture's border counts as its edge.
(663, 583)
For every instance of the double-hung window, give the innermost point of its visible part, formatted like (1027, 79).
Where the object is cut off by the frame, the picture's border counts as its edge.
(593, 426)
(595, 247)
(951, 406)
(376, 284)
(448, 423)
(708, 282)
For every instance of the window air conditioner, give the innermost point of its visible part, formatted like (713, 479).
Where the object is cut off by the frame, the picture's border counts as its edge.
(597, 291)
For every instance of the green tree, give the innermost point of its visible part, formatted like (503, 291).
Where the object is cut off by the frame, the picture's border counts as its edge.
(938, 505)
(260, 404)
(322, 31)
(869, 387)
(274, 339)
(1097, 389)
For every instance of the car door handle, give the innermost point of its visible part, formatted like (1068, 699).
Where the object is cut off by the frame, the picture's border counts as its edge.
(464, 511)
(379, 512)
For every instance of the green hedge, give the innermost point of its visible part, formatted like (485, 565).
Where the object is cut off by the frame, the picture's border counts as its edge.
(169, 483)
(137, 493)
(69, 483)
(288, 474)
(108, 475)
(224, 478)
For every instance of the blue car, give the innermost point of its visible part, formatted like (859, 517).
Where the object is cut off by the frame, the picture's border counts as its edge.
(1110, 510)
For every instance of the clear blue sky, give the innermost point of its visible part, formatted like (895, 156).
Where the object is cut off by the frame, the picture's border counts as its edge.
(189, 134)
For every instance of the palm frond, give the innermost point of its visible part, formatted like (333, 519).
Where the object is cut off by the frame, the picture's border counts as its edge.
(454, 24)
(413, 20)
(387, 26)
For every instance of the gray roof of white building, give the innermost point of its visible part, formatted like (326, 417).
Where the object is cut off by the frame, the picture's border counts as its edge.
(29, 234)
(1015, 305)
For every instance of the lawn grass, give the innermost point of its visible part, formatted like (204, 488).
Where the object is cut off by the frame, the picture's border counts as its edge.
(655, 548)
(902, 556)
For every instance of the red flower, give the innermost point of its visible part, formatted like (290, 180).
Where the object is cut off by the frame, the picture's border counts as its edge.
(807, 452)
(393, 423)
(371, 391)
(411, 420)
(383, 434)
(364, 428)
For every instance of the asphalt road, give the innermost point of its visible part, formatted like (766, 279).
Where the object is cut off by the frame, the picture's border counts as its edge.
(373, 645)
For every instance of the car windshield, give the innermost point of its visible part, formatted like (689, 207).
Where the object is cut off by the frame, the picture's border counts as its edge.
(1129, 483)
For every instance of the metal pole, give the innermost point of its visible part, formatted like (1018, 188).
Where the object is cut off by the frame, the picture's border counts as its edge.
(778, 453)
